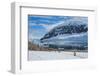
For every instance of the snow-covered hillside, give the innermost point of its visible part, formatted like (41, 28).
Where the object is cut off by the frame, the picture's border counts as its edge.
(68, 27)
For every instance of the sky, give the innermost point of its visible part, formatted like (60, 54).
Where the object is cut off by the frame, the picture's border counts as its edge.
(38, 25)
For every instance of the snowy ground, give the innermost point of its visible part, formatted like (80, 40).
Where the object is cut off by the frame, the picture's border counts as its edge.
(46, 55)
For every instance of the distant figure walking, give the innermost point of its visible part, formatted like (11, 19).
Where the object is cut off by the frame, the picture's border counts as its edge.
(74, 53)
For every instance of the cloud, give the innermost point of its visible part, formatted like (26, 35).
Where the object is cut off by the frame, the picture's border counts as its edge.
(66, 21)
(48, 27)
(35, 34)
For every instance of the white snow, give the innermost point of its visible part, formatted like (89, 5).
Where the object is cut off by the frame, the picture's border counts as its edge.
(53, 55)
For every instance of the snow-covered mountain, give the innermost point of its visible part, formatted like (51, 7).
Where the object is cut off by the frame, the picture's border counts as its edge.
(70, 33)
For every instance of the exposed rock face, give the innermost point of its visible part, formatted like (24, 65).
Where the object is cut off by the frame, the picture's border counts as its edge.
(65, 30)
